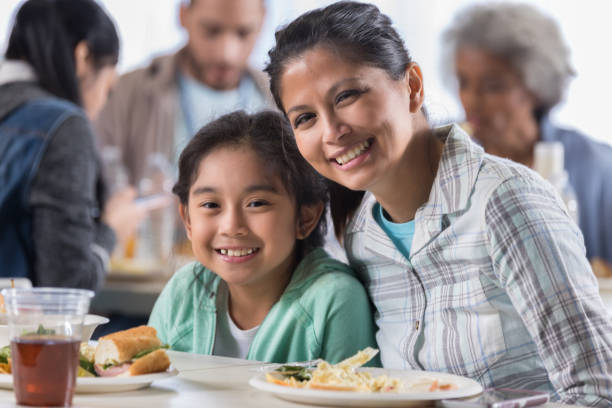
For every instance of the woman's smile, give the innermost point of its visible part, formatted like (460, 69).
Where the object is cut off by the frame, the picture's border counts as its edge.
(347, 121)
(352, 156)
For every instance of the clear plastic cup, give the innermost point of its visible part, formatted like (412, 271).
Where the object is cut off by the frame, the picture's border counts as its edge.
(45, 326)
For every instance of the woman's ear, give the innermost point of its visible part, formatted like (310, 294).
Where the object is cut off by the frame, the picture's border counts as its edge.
(81, 59)
(184, 213)
(308, 219)
(414, 79)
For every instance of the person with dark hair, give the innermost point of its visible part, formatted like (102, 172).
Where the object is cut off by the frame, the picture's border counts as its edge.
(262, 287)
(59, 66)
(512, 67)
(472, 261)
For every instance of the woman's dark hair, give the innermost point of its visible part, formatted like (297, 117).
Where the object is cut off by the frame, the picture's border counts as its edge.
(269, 135)
(46, 33)
(358, 32)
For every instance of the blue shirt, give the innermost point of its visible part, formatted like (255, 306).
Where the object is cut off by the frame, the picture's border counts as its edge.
(400, 233)
(589, 167)
(200, 104)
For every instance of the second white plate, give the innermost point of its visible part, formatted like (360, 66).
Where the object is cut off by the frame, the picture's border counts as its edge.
(465, 388)
(105, 384)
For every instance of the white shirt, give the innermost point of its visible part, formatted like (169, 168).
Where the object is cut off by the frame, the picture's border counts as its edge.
(230, 340)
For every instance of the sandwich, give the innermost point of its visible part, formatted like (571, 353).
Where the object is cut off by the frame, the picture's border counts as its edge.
(130, 352)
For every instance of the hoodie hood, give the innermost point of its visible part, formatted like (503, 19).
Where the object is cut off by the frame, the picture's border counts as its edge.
(17, 86)
(16, 71)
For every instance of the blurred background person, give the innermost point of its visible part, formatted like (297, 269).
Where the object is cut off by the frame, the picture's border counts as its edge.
(512, 68)
(59, 67)
(156, 109)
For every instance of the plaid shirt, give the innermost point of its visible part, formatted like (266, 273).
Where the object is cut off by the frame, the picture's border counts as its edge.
(497, 287)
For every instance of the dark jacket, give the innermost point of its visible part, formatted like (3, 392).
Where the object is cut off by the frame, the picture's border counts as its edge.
(65, 241)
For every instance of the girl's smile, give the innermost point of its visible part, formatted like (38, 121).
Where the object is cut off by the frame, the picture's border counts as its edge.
(237, 255)
(241, 220)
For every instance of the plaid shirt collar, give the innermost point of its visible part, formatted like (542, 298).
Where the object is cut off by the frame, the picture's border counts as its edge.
(450, 194)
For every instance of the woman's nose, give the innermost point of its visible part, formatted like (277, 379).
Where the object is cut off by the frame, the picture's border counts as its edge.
(334, 129)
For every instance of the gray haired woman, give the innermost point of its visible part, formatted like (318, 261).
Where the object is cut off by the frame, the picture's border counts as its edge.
(513, 67)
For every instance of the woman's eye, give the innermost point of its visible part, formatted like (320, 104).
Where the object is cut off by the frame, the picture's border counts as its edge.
(344, 95)
(494, 86)
(302, 119)
(257, 203)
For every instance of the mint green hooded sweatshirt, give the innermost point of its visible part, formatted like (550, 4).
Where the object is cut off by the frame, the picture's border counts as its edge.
(323, 313)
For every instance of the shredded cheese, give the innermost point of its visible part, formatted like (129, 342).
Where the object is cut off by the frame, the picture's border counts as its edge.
(344, 377)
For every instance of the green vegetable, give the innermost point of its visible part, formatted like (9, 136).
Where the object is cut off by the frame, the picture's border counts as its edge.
(39, 331)
(86, 365)
(148, 351)
(5, 354)
(105, 366)
(297, 372)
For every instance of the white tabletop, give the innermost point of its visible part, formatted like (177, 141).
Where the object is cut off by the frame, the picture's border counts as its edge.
(203, 381)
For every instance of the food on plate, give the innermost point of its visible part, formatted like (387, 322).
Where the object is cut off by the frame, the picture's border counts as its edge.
(344, 377)
(5, 360)
(87, 354)
(130, 352)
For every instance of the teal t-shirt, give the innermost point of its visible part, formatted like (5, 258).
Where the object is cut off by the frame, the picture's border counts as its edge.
(323, 313)
(401, 234)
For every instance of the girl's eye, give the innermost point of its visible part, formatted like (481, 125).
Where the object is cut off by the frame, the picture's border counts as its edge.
(209, 204)
(257, 203)
(302, 119)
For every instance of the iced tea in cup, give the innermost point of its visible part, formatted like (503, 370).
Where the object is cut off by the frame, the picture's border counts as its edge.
(45, 327)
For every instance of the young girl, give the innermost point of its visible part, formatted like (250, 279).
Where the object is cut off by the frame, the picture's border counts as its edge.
(262, 288)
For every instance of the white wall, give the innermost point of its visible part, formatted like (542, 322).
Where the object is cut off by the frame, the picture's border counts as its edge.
(150, 27)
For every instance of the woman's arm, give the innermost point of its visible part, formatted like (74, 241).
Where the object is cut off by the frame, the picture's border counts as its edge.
(71, 246)
(539, 256)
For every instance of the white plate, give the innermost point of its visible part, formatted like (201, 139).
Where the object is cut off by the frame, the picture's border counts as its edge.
(465, 388)
(86, 385)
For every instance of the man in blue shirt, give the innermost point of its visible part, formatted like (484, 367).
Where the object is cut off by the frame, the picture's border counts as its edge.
(158, 108)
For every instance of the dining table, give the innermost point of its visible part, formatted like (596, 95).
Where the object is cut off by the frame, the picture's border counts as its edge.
(202, 381)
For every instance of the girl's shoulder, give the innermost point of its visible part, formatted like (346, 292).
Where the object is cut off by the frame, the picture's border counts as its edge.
(319, 276)
(192, 275)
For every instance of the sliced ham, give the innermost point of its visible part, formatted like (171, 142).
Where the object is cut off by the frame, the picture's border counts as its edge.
(112, 371)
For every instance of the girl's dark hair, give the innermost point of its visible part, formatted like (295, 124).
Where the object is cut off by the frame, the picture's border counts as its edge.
(358, 32)
(269, 135)
(46, 33)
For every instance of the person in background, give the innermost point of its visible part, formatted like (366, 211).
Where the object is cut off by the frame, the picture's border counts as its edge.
(471, 261)
(513, 67)
(157, 109)
(262, 287)
(59, 67)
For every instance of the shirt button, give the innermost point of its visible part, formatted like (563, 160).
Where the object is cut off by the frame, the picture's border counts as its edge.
(416, 325)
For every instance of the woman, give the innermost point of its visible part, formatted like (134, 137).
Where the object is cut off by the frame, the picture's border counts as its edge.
(513, 67)
(471, 261)
(59, 67)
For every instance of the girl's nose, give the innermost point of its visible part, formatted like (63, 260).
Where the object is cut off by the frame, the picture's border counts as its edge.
(234, 224)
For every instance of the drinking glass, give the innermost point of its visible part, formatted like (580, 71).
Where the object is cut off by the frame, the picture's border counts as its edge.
(45, 326)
